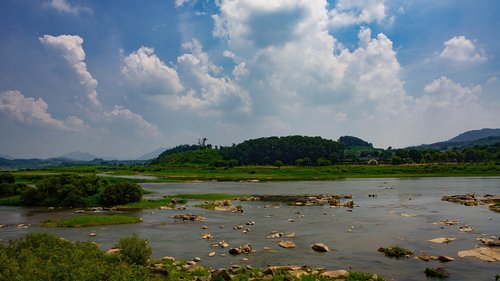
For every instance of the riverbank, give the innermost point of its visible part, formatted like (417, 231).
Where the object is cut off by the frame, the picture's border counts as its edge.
(268, 173)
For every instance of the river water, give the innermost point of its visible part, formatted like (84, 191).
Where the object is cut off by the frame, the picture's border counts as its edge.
(352, 235)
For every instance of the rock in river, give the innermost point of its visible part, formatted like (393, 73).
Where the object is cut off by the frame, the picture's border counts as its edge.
(320, 247)
(287, 244)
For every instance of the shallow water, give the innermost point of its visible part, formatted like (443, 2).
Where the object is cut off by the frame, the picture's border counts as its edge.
(376, 222)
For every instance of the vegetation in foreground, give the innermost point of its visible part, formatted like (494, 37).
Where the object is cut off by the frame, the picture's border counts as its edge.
(395, 252)
(439, 273)
(91, 220)
(67, 190)
(42, 256)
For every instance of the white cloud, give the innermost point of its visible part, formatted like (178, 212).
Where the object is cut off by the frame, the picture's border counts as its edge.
(179, 3)
(445, 94)
(142, 127)
(28, 110)
(355, 12)
(70, 47)
(146, 70)
(461, 49)
(64, 6)
(195, 82)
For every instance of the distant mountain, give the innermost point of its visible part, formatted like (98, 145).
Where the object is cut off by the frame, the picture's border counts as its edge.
(78, 156)
(476, 135)
(6, 157)
(467, 139)
(153, 154)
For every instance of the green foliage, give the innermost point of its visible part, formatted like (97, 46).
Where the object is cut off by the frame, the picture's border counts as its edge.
(349, 141)
(64, 190)
(206, 196)
(197, 157)
(151, 204)
(266, 151)
(6, 177)
(362, 276)
(91, 220)
(121, 193)
(134, 250)
(395, 252)
(438, 272)
(41, 256)
(11, 201)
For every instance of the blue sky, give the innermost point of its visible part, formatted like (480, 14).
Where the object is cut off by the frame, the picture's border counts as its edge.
(122, 78)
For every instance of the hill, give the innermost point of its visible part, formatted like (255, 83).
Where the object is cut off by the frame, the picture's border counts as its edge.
(78, 156)
(465, 140)
(153, 154)
(476, 135)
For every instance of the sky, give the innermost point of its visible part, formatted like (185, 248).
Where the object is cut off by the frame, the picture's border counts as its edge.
(119, 79)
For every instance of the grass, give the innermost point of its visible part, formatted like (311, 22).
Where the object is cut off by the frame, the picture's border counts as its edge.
(362, 276)
(208, 205)
(272, 173)
(91, 220)
(395, 252)
(206, 196)
(151, 204)
(11, 201)
(294, 173)
(438, 272)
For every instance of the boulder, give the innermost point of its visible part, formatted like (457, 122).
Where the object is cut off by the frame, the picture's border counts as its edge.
(320, 247)
(287, 244)
(445, 258)
(335, 273)
(484, 253)
(220, 274)
(442, 240)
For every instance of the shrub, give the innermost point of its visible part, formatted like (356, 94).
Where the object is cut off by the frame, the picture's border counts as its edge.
(121, 193)
(134, 250)
(395, 252)
(438, 272)
(372, 162)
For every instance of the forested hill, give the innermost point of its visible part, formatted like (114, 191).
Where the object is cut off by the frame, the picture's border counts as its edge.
(289, 150)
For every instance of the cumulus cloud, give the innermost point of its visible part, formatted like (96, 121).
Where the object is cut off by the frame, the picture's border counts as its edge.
(28, 110)
(145, 69)
(461, 49)
(445, 94)
(70, 47)
(194, 82)
(308, 67)
(64, 6)
(142, 127)
(355, 12)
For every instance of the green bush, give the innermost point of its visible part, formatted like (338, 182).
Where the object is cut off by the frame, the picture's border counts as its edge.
(70, 190)
(134, 250)
(42, 256)
(121, 193)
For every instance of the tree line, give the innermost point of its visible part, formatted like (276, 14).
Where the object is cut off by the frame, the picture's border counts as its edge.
(316, 151)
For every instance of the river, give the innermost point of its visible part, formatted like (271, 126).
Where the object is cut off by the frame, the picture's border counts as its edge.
(403, 213)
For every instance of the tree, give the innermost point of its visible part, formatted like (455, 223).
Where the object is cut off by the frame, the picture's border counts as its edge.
(121, 193)
(278, 163)
(134, 250)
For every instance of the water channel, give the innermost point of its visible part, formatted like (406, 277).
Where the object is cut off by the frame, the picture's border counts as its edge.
(403, 213)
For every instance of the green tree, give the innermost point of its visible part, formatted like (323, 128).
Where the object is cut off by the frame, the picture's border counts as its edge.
(134, 250)
(121, 193)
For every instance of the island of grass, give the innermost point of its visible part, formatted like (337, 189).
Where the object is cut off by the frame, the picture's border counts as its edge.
(395, 252)
(92, 220)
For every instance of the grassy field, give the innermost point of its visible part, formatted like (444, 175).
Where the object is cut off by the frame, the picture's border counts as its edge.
(91, 220)
(151, 204)
(291, 173)
(10, 201)
(271, 173)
